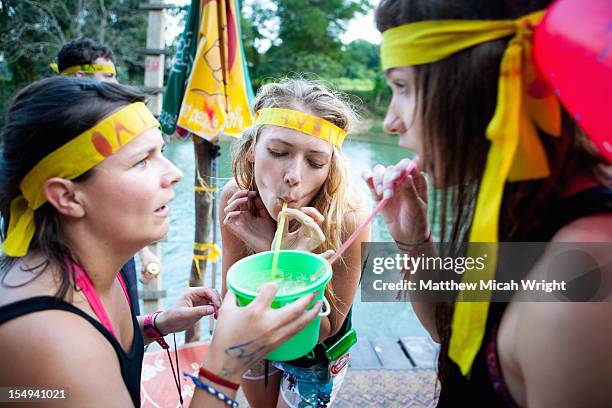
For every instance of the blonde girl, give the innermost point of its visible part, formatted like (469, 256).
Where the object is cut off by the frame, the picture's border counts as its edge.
(293, 155)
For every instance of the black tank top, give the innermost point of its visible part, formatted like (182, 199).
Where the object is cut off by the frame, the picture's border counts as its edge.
(130, 363)
(484, 386)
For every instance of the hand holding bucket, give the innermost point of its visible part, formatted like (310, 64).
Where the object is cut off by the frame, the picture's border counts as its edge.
(243, 335)
(297, 267)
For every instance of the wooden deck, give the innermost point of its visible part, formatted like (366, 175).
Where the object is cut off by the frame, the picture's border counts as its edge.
(393, 354)
(384, 372)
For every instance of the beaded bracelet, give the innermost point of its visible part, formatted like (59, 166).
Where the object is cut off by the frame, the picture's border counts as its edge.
(213, 391)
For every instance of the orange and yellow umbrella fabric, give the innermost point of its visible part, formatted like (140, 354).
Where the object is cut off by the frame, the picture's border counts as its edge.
(216, 97)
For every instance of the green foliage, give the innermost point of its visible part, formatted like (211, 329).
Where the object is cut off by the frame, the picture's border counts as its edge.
(306, 39)
(362, 59)
(374, 101)
(33, 31)
(353, 84)
(178, 13)
(315, 26)
(280, 38)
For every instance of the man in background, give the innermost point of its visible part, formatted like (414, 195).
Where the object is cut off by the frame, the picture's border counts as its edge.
(82, 57)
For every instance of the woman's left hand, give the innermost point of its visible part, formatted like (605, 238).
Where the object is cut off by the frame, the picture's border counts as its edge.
(191, 307)
(309, 234)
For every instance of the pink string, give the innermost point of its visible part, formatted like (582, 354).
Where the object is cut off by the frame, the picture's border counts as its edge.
(86, 285)
(361, 227)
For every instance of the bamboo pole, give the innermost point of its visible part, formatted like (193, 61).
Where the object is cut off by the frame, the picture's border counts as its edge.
(215, 217)
(204, 153)
(154, 64)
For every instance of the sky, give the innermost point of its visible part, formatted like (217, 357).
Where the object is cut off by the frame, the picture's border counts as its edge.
(361, 27)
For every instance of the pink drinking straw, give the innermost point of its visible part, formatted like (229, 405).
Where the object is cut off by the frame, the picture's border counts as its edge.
(355, 234)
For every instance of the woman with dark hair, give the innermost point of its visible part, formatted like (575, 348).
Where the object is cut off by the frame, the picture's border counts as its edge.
(507, 165)
(84, 186)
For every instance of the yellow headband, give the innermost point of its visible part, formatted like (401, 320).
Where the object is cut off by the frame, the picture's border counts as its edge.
(86, 68)
(303, 122)
(516, 152)
(70, 161)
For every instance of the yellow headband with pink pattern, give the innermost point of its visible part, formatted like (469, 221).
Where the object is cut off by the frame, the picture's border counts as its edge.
(70, 161)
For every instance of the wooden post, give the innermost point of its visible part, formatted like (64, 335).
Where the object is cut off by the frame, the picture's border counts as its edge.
(154, 64)
(203, 205)
(153, 292)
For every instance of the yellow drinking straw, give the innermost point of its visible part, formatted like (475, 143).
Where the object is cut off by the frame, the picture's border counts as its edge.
(278, 237)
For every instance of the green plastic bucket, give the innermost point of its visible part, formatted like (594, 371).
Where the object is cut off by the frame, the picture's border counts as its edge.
(295, 265)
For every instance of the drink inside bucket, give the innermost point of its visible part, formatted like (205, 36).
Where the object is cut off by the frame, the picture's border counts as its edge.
(286, 282)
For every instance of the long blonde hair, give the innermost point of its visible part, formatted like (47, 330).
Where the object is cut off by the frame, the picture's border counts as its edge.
(335, 197)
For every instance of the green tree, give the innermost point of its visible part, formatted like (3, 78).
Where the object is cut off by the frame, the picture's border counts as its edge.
(307, 38)
(253, 33)
(32, 31)
(361, 59)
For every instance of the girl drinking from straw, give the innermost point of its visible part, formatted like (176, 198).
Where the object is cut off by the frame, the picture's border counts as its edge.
(84, 185)
(508, 165)
(292, 156)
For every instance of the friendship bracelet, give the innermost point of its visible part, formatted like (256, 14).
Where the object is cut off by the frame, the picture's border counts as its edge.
(154, 322)
(218, 380)
(213, 391)
(408, 247)
(152, 331)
